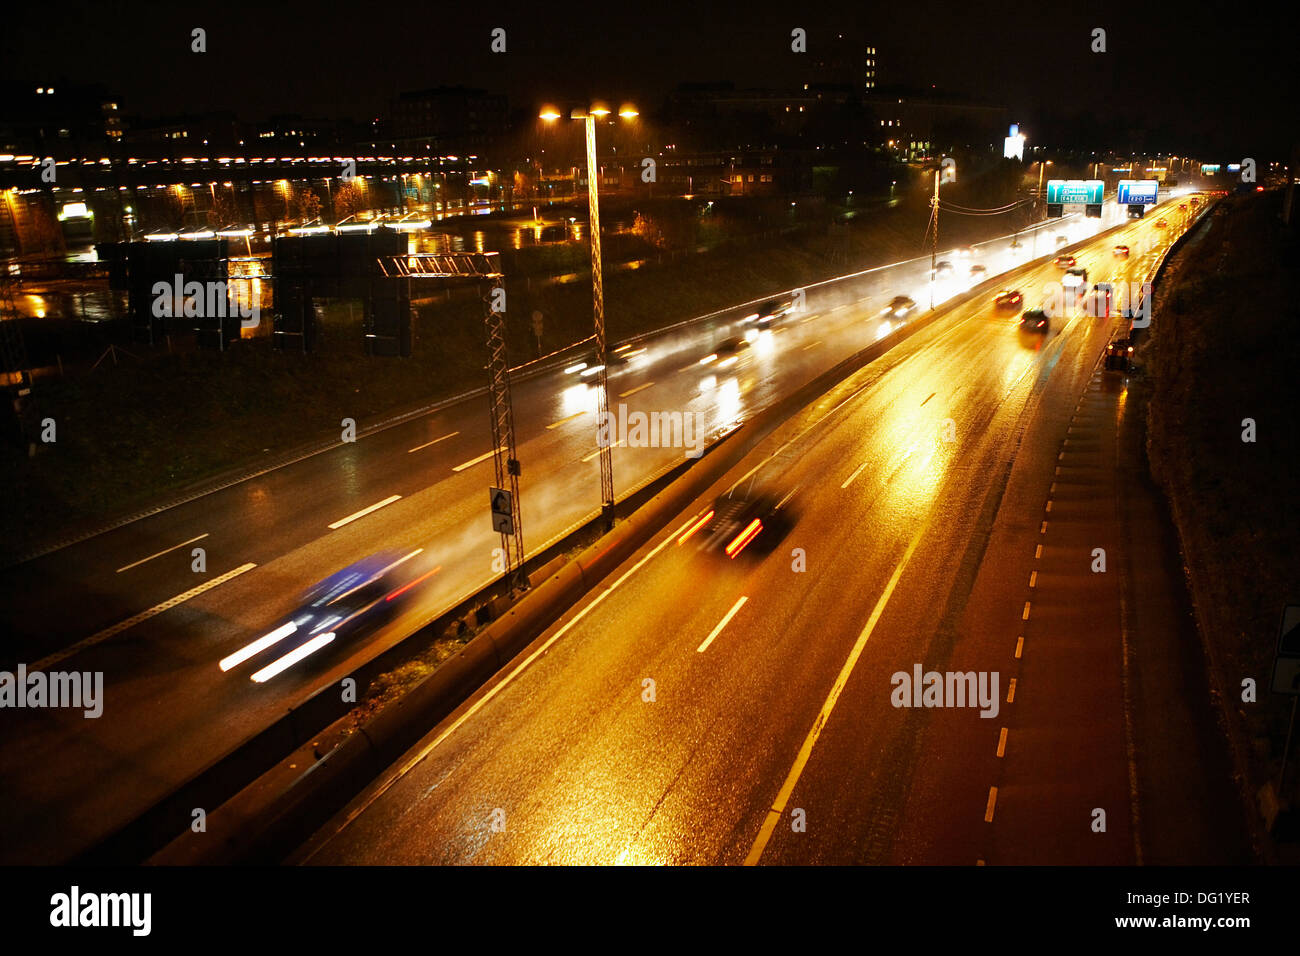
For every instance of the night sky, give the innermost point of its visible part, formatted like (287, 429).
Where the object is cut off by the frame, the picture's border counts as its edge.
(1228, 76)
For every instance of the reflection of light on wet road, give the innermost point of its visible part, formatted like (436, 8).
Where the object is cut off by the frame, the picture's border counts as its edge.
(577, 398)
(728, 402)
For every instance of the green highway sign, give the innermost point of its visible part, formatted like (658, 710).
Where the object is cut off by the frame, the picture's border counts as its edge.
(1085, 191)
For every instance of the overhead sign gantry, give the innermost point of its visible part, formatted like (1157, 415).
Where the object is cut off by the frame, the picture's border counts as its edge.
(1075, 192)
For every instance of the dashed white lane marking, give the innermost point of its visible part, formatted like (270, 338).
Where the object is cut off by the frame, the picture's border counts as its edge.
(505, 681)
(1011, 691)
(618, 444)
(162, 552)
(1002, 743)
(849, 480)
(1038, 552)
(1025, 615)
(364, 511)
(993, 802)
(474, 461)
(1043, 529)
(721, 624)
(811, 345)
(1020, 646)
(121, 626)
(434, 442)
(564, 420)
(1033, 579)
(633, 391)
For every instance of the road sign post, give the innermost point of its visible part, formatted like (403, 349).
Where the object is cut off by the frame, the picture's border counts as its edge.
(503, 512)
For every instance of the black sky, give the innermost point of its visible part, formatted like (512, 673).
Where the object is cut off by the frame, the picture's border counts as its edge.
(1215, 70)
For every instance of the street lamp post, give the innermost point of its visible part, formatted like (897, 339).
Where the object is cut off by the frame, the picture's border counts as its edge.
(604, 447)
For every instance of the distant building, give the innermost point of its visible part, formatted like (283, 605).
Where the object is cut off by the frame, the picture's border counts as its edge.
(58, 119)
(194, 131)
(298, 131)
(449, 120)
(748, 172)
(839, 61)
(918, 124)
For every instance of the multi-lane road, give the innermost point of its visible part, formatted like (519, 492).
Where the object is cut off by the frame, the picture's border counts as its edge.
(953, 498)
(909, 508)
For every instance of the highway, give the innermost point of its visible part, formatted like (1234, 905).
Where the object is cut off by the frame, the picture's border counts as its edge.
(699, 709)
(127, 602)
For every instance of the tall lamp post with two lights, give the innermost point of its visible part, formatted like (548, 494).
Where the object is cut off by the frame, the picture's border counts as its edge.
(589, 118)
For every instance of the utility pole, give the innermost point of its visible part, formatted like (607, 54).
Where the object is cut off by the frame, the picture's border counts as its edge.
(934, 235)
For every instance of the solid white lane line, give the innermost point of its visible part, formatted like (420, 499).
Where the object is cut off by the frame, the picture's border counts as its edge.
(848, 481)
(120, 626)
(721, 624)
(633, 391)
(434, 442)
(161, 553)
(363, 512)
(474, 461)
(782, 798)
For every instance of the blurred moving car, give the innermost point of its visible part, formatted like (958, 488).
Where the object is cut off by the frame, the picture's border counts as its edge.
(768, 314)
(1065, 262)
(587, 365)
(1035, 321)
(357, 598)
(727, 353)
(1161, 223)
(1120, 252)
(965, 252)
(900, 307)
(1062, 240)
(1075, 280)
(747, 516)
(1119, 354)
(1008, 300)
(942, 268)
(978, 272)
